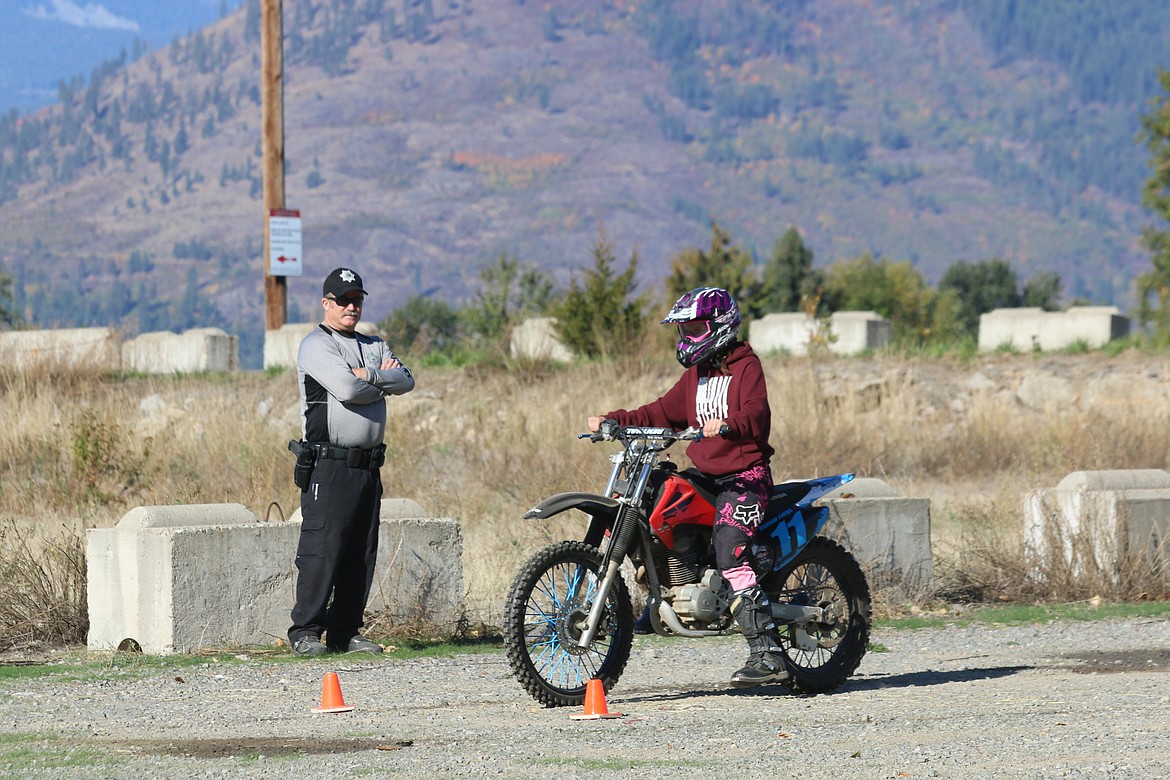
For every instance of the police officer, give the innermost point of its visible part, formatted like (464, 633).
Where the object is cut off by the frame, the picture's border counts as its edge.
(344, 378)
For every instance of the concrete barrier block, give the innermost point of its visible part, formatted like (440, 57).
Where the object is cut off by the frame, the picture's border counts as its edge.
(281, 345)
(1016, 328)
(419, 578)
(1116, 479)
(89, 348)
(850, 332)
(189, 352)
(1098, 523)
(185, 515)
(1095, 325)
(859, 331)
(887, 534)
(227, 586)
(537, 339)
(782, 332)
(177, 579)
(1032, 328)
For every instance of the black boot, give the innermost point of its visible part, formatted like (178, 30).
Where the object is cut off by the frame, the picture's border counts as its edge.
(643, 624)
(765, 663)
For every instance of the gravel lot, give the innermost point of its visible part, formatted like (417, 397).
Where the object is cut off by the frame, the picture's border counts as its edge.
(1079, 700)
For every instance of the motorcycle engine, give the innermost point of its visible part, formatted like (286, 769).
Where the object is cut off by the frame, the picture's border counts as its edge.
(703, 601)
(680, 565)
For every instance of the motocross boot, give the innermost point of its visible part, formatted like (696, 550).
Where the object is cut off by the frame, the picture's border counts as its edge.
(765, 663)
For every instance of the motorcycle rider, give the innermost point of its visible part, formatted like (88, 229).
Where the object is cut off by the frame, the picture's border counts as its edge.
(723, 392)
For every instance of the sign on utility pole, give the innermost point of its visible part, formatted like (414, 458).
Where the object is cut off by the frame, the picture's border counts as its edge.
(284, 243)
(272, 124)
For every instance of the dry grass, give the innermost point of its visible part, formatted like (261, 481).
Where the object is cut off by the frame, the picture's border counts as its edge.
(483, 445)
(43, 580)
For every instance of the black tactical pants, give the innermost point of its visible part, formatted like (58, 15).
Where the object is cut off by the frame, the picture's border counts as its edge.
(337, 551)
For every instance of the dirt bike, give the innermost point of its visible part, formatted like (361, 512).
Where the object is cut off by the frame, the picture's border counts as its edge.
(568, 616)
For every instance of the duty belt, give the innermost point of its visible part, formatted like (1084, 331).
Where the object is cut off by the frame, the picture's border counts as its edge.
(354, 457)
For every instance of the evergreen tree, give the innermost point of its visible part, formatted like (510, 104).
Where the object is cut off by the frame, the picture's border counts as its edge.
(600, 317)
(187, 309)
(789, 278)
(1153, 287)
(509, 293)
(722, 265)
(8, 315)
(182, 143)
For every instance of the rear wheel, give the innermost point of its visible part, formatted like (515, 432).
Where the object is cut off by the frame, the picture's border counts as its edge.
(822, 655)
(544, 616)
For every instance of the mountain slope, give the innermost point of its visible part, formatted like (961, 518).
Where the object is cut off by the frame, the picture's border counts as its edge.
(423, 139)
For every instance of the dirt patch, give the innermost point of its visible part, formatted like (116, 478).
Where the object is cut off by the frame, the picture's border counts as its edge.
(1153, 660)
(271, 746)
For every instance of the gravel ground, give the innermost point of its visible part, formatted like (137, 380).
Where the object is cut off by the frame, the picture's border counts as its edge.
(1078, 700)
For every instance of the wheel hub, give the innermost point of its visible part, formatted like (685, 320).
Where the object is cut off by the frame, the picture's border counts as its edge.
(570, 625)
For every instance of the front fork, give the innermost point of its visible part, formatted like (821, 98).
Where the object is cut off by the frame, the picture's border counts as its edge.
(624, 527)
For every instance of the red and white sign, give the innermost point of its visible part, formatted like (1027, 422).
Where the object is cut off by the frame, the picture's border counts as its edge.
(284, 243)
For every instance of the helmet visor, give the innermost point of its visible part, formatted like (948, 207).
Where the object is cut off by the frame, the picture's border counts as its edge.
(694, 331)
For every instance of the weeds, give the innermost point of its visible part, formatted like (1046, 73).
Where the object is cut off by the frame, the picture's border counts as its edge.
(44, 586)
(483, 443)
(1097, 560)
(106, 460)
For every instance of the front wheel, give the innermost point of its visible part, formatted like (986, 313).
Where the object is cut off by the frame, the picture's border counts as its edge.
(544, 616)
(822, 655)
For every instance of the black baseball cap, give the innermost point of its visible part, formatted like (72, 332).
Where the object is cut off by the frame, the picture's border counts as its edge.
(340, 282)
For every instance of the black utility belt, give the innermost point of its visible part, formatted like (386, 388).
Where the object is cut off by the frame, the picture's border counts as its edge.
(354, 457)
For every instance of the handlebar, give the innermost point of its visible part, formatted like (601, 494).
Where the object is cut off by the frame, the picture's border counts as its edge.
(611, 431)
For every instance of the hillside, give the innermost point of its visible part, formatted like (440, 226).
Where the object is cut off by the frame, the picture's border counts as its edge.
(423, 139)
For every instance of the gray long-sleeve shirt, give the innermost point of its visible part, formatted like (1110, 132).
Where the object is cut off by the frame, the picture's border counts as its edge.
(336, 406)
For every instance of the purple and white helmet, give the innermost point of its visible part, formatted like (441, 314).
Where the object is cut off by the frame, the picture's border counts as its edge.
(712, 306)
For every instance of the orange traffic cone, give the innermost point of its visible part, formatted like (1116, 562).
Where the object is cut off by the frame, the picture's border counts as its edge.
(331, 700)
(595, 707)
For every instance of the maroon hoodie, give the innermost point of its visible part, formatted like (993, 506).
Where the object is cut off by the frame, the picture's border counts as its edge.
(734, 392)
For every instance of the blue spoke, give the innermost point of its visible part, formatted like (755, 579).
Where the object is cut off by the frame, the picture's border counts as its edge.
(569, 585)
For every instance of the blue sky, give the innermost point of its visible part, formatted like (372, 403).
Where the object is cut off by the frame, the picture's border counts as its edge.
(43, 42)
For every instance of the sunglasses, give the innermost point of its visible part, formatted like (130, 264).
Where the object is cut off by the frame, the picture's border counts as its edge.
(351, 300)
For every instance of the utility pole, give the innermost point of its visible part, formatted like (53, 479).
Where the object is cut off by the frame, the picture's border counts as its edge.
(272, 123)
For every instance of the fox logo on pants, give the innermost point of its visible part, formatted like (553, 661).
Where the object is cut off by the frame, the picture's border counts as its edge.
(748, 516)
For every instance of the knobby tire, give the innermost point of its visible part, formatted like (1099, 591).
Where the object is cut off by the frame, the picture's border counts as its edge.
(824, 574)
(542, 617)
